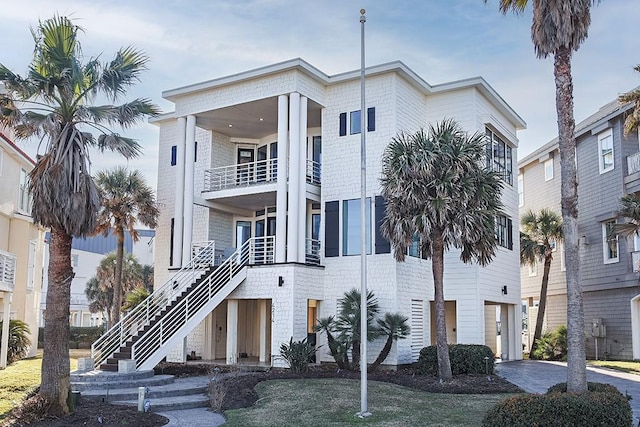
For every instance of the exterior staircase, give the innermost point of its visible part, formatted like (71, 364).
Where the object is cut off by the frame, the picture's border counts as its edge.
(154, 327)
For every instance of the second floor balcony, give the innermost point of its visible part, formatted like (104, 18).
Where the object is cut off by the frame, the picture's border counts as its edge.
(7, 271)
(632, 178)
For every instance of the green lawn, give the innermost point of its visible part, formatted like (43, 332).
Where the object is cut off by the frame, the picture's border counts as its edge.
(22, 376)
(624, 366)
(334, 402)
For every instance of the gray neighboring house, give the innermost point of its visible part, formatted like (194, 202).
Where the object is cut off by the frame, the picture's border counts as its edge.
(608, 167)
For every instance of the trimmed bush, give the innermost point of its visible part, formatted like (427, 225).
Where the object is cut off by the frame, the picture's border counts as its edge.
(465, 359)
(602, 405)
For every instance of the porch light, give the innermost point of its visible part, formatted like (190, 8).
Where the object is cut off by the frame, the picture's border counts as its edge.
(504, 290)
(280, 281)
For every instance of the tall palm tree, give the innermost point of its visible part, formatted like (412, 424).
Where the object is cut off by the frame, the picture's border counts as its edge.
(394, 327)
(629, 210)
(437, 188)
(558, 29)
(542, 233)
(54, 102)
(632, 122)
(126, 198)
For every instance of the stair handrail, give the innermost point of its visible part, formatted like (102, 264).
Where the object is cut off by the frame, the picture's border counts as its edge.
(257, 250)
(203, 256)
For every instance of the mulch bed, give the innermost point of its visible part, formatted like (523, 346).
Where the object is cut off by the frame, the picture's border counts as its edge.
(240, 393)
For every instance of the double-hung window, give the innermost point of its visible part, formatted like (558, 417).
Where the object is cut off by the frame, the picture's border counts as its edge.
(548, 170)
(610, 247)
(605, 151)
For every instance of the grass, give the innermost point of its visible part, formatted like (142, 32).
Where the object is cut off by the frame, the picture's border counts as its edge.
(19, 378)
(334, 402)
(618, 365)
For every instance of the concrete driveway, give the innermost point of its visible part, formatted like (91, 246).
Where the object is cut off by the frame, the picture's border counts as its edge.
(535, 376)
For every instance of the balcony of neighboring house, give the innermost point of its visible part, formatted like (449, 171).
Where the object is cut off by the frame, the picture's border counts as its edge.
(632, 178)
(7, 271)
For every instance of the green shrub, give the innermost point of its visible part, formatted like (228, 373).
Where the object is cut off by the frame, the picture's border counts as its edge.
(465, 359)
(297, 354)
(19, 343)
(605, 407)
(77, 334)
(552, 345)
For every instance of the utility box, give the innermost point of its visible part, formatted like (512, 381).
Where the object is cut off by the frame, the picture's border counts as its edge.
(598, 329)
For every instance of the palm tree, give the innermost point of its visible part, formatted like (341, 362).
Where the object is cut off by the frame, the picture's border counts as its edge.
(629, 210)
(632, 121)
(19, 342)
(394, 326)
(337, 348)
(558, 29)
(542, 232)
(437, 189)
(53, 102)
(348, 321)
(100, 300)
(126, 198)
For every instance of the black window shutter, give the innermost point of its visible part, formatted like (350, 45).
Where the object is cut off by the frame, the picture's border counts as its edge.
(195, 151)
(174, 155)
(509, 234)
(331, 229)
(343, 124)
(371, 119)
(173, 222)
(383, 246)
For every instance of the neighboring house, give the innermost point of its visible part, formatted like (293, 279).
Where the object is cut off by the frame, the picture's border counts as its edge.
(21, 244)
(292, 245)
(86, 254)
(608, 166)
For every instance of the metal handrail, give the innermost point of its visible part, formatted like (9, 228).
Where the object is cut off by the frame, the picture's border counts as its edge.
(313, 172)
(241, 175)
(8, 269)
(633, 163)
(258, 250)
(312, 251)
(140, 316)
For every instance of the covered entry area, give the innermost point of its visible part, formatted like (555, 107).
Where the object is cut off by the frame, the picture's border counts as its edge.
(501, 332)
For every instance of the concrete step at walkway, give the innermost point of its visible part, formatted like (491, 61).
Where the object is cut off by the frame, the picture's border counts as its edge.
(178, 387)
(171, 403)
(113, 382)
(102, 376)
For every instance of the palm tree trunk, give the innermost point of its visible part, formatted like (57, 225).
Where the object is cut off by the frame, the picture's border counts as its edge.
(383, 354)
(54, 386)
(117, 283)
(437, 261)
(576, 358)
(542, 305)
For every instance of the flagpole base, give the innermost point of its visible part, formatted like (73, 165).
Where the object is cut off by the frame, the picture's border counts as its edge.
(364, 414)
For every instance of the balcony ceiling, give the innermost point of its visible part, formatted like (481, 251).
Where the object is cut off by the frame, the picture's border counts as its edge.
(252, 120)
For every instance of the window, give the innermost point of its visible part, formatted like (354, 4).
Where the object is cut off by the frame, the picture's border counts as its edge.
(174, 155)
(74, 260)
(355, 121)
(610, 243)
(414, 249)
(533, 269)
(520, 191)
(563, 266)
(23, 193)
(605, 151)
(351, 226)
(504, 232)
(548, 170)
(499, 156)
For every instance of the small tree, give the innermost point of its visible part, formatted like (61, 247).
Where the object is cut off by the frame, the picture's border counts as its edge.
(135, 297)
(394, 327)
(632, 121)
(19, 342)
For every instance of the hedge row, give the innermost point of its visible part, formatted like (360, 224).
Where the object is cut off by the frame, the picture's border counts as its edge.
(602, 405)
(464, 358)
(80, 336)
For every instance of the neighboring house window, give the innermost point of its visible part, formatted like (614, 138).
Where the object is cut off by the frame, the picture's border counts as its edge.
(499, 156)
(351, 226)
(563, 266)
(605, 151)
(504, 233)
(74, 260)
(355, 121)
(23, 193)
(520, 191)
(610, 243)
(414, 249)
(533, 269)
(174, 155)
(548, 170)
(554, 245)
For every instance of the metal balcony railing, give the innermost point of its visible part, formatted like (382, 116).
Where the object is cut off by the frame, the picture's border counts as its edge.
(635, 260)
(148, 309)
(313, 172)
(312, 251)
(7, 271)
(241, 175)
(633, 163)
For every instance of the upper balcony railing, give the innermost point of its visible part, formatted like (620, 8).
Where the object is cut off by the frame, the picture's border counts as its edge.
(241, 175)
(312, 251)
(313, 172)
(7, 271)
(633, 163)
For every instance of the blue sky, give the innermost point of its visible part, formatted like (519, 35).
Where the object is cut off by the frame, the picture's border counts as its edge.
(190, 41)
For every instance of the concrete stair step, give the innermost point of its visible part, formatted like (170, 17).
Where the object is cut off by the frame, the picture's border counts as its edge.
(101, 376)
(179, 387)
(115, 383)
(171, 403)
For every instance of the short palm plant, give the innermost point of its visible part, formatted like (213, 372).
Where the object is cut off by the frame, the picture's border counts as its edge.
(394, 326)
(19, 342)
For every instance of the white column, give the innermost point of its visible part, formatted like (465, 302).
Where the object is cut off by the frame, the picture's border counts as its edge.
(4, 342)
(262, 313)
(302, 180)
(281, 192)
(232, 332)
(178, 211)
(294, 182)
(188, 188)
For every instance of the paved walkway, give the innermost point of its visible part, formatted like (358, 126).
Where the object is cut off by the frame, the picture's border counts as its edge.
(198, 417)
(535, 376)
